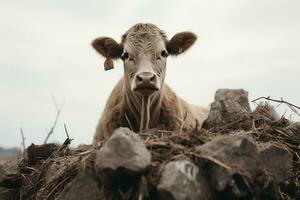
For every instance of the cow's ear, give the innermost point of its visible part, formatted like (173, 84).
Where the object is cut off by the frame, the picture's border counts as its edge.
(180, 42)
(108, 47)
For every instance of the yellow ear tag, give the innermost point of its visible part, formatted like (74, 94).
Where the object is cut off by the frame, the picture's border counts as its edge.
(108, 64)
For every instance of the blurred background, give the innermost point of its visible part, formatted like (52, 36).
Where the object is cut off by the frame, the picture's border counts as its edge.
(45, 51)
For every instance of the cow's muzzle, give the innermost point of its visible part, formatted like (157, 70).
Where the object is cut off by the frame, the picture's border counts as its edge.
(146, 83)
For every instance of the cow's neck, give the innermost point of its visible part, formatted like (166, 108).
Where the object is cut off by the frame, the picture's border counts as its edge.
(142, 112)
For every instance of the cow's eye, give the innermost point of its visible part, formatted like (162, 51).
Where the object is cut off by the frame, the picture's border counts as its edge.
(124, 56)
(164, 53)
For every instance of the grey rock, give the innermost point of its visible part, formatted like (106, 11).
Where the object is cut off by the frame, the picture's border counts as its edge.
(122, 157)
(278, 161)
(229, 105)
(228, 156)
(238, 95)
(82, 187)
(9, 167)
(182, 180)
(237, 164)
(10, 179)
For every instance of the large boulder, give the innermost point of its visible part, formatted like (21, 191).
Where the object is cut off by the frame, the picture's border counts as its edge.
(230, 105)
(237, 165)
(122, 158)
(227, 156)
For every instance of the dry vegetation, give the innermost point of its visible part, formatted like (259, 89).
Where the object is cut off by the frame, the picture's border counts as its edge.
(48, 168)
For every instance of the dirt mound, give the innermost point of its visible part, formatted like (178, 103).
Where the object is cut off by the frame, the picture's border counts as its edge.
(238, 154)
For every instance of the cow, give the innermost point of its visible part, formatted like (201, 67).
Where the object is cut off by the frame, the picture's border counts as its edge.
(141, 100)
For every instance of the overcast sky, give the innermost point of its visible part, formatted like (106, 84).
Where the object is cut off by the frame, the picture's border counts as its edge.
(45, 49)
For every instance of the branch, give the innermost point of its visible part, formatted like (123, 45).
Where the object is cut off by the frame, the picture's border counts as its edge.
(183, 121)
(293, 107)
(23, 141)
(128, 121)
(68, 140)
(58, 111)
(55, 102)
(67, 133)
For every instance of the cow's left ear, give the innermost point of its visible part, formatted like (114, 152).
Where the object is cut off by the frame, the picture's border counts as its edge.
(180, 42)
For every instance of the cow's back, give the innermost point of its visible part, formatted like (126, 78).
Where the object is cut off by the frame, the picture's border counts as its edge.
(180, 112)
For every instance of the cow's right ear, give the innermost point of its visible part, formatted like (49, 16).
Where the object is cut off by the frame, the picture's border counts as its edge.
(108, 47)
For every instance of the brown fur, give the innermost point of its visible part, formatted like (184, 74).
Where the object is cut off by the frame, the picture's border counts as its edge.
(174, 112)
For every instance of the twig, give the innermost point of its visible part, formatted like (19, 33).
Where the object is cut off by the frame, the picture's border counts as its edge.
(128, 121)
(183, 121)
(197, 125)
(278, 101)
(68, 140)
(140, 197)
(57, 185)
(58, 111)
(66, 131)
(55, 102)
(210, 158)
(294, 109)
(253, 125)
(142, 188)
(297, 155)
(23, 141)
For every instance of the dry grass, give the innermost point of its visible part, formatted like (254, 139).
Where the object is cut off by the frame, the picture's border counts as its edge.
(164, 146)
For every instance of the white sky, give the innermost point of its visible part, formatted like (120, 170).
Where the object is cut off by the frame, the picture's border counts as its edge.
(45, 49)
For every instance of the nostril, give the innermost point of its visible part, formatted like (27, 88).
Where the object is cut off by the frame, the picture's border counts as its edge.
(152, 78)
(139, 78)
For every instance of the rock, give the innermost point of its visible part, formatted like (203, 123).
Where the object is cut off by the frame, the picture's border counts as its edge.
(229, 155)
(35, 153)
(238, 95)
(239, 168)
(10, 180)
(123, 157)
(230, 105)
(182, 180)
(82, 187)
(9, 174)
(272, 157)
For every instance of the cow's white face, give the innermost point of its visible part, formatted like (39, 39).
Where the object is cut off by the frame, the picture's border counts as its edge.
(144, 50)
(145, 66)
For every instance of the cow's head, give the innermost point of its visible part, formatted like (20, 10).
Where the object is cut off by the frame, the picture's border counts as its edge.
(144, 50)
